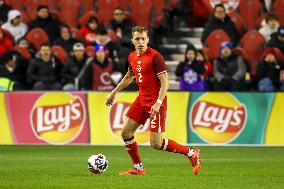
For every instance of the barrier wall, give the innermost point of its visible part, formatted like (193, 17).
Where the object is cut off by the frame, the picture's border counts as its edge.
(83, 118)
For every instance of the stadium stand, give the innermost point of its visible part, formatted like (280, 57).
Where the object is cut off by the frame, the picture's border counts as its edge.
(105, 9)
(60, 53)
(253, 43)
(37, 37)
(214, 40)
(278, 7)
(250, 10)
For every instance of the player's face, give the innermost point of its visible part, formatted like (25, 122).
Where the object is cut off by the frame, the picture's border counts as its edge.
(140, 41)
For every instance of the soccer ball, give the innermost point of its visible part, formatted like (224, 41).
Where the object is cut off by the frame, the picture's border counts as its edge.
(97, 163)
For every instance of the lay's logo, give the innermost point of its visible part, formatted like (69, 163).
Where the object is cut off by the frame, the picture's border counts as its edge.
(117, 117)
(218, 117)
(58, 118)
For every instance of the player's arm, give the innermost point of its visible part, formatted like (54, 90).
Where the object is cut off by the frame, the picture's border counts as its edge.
(163, 77)
(127, 79)
(160, 68)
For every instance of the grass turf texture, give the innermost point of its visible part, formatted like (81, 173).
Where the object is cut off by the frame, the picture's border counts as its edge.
(66, 167)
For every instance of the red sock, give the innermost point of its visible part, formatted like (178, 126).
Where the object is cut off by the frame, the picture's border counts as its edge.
(172, 146)
(132, 149)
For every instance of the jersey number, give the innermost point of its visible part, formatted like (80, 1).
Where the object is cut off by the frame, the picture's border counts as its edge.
(153, 122)
(140, 77)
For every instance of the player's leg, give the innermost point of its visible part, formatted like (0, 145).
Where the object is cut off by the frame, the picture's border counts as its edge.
(135, 117)
(131, 146)
(157, 127)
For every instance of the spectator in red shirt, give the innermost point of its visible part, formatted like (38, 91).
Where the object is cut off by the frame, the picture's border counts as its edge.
(6, 42)
(89, 32)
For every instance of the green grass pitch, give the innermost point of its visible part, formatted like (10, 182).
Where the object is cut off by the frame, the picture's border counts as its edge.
(66, 167)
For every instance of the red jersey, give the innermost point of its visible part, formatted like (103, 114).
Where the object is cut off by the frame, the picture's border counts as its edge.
(146, 69)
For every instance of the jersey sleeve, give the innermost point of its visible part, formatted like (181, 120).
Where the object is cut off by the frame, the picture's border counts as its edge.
(159, 64)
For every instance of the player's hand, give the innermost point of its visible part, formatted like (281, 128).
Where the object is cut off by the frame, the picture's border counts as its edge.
(155, 109)
(110, 99)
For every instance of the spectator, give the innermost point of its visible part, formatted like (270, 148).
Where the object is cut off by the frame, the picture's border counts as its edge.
(102, 69)
(122, 27)
(271, 25)
(15, 26)
(4, 9)
(43, 72)
(277, 40)
(190, 71)
(90, 30)
(200, 56)
(13, 70)
(45, 21)
(65, 40)
(270, 72)
(229, 70)
(208, 74)
(113, 48)
(6, 42)
(220, 20)
(23, 43)
(77, 64)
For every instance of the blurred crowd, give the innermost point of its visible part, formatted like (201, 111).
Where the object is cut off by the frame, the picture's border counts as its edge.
(236, 56)
(49, 50)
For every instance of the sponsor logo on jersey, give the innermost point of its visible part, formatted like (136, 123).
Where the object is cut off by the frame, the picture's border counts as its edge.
(58, 118)
(117, 117)
(218, 117)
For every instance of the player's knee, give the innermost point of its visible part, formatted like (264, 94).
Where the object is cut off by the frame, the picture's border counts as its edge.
(156, 145)
(125, 134)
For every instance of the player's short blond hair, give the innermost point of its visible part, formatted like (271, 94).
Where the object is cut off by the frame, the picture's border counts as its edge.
(139, 29)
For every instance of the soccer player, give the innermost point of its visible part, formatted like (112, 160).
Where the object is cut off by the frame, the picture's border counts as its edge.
(148, 67)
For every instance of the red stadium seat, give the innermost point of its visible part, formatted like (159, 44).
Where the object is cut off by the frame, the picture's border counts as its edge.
(31, 6)
(124, 4)
(106, 9)
(277, 53)
(250, 10)
(69, 12)
(37, 37)
(243, 53)
(159, 7)
(238, 21)
(278, 6)
(25, 17)
(214, 41)
(140, 12)
(87, 5)
(206, 51)
(253, 43)
(76, 34)
(15, 4)
(52, 5)
(24, 52)
(60, 53)
(84, 19)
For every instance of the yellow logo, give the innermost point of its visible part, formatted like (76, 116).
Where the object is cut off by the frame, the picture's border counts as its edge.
(218, 117)
(58, 118)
